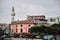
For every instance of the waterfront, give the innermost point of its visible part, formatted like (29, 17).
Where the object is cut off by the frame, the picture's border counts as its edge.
(49, 37)
(21, 39)
(46, 37)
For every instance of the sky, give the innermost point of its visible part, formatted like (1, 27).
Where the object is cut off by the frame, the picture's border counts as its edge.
(49, 8)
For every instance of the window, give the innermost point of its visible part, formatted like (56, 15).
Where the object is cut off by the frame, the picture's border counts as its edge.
(16, 30)
(12, 30)
(16, 25)
(21, 25)
(29, 25)
(21, 29)
(52, 20)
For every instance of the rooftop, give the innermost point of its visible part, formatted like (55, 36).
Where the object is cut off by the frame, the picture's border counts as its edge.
(24, 21)
(37, 16)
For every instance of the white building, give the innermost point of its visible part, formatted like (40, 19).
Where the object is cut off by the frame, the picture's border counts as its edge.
(53, 20)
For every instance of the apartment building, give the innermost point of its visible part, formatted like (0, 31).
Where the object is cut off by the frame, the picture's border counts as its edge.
(53, 20)
(38, 19)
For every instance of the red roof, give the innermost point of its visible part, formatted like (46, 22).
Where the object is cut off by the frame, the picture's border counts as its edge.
(25, 21)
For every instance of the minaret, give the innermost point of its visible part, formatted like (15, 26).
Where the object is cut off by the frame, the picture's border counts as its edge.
(13, 14)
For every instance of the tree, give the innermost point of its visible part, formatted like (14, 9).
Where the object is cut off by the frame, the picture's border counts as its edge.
(58, 29)
(35, 29)
(55, 28)
(42, 28)
(0, 31)
(48, 30)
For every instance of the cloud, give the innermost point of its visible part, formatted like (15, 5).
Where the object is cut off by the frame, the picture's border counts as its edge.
(24, 9)
(48, 8)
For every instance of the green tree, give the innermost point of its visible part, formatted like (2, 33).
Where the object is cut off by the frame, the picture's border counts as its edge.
(45, 29)
(42, 28)
(55, 27)
(48, 30)
(0, 31)
(58, 29)
(34, 29)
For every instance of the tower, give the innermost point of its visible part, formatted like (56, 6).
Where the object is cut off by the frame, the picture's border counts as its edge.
(13, 14)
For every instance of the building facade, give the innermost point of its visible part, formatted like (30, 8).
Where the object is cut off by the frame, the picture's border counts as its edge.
(21, 26)
(38, 19)
(4, 27)
(53, 20)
